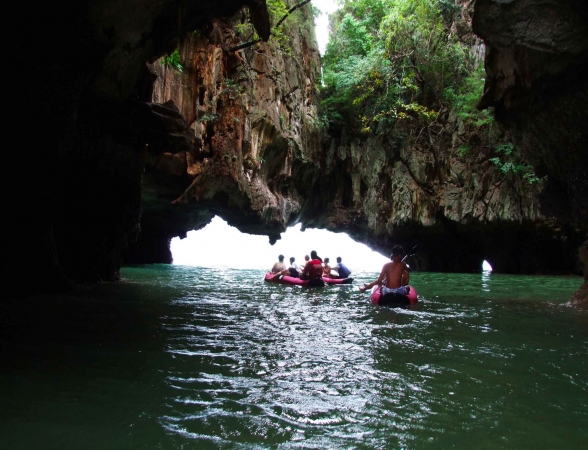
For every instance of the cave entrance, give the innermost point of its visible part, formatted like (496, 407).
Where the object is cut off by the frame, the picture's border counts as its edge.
(486, 267)
(221, 245)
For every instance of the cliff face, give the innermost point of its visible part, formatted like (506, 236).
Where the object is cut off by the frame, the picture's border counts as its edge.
(80, 117)
(251, 114)
(92, 144)
(259, 162)
(536, 63)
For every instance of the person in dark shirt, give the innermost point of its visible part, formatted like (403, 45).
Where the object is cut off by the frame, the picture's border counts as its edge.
(341, 269)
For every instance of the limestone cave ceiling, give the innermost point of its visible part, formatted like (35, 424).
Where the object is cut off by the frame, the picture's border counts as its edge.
(105, 147)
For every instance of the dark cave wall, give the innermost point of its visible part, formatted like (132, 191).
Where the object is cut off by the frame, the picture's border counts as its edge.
(537, 61)
(381, 190)
(80, 117)
(79, 121)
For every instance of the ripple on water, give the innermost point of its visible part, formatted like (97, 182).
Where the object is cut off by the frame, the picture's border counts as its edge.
(220, 359)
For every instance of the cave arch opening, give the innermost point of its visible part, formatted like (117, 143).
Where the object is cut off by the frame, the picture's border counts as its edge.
(221, 245)
(486, 266)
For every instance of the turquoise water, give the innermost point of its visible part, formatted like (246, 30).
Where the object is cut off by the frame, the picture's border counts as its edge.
(181, 357)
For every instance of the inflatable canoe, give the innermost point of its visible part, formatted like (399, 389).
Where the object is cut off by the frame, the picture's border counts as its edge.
(393, 299)
(271, 278)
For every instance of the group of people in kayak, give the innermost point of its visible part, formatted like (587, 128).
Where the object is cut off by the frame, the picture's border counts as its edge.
(314, 268)
(394, 277)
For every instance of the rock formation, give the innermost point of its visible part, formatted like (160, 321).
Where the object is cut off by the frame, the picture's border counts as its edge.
(258, 162)
(78, 122)
(251, 114)
(84, 127)
(536, 63)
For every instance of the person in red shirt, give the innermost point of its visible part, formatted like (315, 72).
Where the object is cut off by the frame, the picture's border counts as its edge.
(313, 270)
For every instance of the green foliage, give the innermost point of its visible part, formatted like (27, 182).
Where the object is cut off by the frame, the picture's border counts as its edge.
(389, 60)
(230, 88)
(244, 28)
(463, 150)
(173, 60)
(207, 118)
(277, 10)
(464, 102)
(316, 12)
(448, 9)
(321, 121)
(509, 160)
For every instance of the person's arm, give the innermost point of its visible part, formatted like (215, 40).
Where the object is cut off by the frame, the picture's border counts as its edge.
(405, 278)
(373, 283)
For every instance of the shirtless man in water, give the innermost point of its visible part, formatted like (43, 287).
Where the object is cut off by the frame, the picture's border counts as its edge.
(279, 267)
(394, 274)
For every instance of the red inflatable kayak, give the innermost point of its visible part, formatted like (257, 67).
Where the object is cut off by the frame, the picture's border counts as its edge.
(393, 299)
(271, 278)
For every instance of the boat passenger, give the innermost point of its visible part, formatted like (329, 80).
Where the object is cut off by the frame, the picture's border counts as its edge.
(302, 275)
(326, 269)
(294, 270)
(279, 266)
(341, 269)
(394, 277)
(313, 270)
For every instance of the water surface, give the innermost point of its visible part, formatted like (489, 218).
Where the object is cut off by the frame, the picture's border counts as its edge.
(183, 357)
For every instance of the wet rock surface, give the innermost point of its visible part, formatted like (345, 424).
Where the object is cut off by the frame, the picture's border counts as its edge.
(260, 162)
(536, 62)
(80, 120)
(109, 157)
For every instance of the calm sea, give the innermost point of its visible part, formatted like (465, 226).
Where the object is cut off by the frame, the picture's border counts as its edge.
(181, 357)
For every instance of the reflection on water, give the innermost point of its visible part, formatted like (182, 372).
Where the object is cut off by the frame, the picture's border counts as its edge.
(486, 280)
(175, 357)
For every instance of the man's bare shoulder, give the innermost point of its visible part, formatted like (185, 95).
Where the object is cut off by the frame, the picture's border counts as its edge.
(389, 265)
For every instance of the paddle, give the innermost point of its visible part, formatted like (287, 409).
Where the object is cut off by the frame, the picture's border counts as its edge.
(412, 252)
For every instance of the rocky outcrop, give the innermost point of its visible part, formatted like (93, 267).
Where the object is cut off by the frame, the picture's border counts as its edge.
(251, 114)
(95, 163)
(536, 63)
(258, 162)
(78, 122)
(580, 298)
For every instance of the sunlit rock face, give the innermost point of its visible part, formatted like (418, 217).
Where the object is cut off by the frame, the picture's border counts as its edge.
(79, 121)
(251, 114)
(93, 144)
(259, 162)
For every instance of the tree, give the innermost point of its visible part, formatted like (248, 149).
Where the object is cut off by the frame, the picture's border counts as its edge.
(277, 9)
(389, 60)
